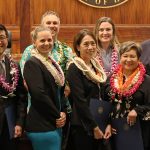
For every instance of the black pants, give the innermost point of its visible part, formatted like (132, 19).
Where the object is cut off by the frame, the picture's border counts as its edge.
(5, 142)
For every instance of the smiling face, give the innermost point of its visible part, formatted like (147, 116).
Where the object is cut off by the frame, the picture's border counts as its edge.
(87, 48)
(129, 61)
(105, 32)
(53, 23)
(44, 42)
(3, 41)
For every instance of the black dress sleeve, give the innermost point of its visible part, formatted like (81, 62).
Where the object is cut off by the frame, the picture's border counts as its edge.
(40, 100)
(144, 109)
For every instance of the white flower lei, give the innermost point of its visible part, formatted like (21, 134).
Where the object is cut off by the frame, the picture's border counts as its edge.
(52, 66)
(88, 72)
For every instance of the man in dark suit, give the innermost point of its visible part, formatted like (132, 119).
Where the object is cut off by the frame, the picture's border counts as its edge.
(13, 97)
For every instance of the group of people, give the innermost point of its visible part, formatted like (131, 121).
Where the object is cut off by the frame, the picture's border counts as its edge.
(104, 82)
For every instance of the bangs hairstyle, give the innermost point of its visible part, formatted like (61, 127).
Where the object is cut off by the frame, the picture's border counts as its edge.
(47, 13)
(78, 38)
(127, 46)
(3, 28)
(38, 29)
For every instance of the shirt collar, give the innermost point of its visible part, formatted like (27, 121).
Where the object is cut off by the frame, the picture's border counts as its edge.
(56, 44)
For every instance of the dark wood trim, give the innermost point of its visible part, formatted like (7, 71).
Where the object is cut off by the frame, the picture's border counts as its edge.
(25, 24)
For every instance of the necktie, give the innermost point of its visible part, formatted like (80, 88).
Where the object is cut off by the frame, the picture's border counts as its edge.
(2, 71)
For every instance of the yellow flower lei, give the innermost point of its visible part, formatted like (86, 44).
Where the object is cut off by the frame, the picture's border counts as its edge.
(52, 66)
(100, 77)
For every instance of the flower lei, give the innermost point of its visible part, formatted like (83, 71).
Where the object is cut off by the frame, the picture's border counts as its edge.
(130, 86)
(52, 66)
(100, 77)
(14, 72)
(114, 60)
(58, 56)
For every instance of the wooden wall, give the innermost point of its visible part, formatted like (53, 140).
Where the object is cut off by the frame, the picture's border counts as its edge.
(132, 19)
(9, 16)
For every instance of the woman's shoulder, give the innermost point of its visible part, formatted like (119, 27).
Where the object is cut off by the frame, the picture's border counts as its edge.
(146, 81)
(33, 60)
(72, 67)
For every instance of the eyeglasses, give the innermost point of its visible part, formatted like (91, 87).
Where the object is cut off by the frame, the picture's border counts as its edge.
(2, 38)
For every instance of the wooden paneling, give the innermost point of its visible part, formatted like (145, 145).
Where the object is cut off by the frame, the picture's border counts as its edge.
(132, 19)
(25, 24)
(124, 32)
(9, 12)
(9, 16)
(15, 38)
(75, 12)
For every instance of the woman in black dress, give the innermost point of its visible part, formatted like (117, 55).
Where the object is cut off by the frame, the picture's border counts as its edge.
(127, 90)
(84, 77)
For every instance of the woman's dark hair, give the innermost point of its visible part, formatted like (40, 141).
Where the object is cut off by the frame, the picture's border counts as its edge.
(127, 46)
(3, 28)
(78, 38)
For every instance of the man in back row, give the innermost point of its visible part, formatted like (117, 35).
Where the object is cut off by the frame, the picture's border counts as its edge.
(60, 52)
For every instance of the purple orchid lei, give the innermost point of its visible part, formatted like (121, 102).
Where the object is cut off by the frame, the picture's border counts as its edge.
(14, 72)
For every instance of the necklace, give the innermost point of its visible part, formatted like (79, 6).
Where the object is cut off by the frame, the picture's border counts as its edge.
(114, 60)
(98, 77)
(52, 66)
(131, 84)
(14, 72)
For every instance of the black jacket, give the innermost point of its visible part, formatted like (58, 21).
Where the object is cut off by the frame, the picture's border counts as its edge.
(45, 106)
(14, 108)
(82, 90)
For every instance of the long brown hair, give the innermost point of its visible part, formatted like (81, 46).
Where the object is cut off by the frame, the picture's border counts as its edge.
(114, 40)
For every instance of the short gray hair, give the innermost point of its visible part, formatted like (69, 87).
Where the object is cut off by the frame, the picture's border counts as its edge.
(47, 13)
(127, 46)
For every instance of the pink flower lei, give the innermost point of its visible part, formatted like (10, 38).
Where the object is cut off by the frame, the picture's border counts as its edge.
(132, 90)
(114, 60)
(14, 77)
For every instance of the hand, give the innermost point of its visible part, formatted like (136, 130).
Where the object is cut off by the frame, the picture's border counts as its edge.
(113, 131)
(61, 121)
(18, 131)
(108, 130)
(98, 134)
(131, 118)
(67, 90)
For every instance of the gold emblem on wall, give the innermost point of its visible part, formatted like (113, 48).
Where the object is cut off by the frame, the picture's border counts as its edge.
(103, 3)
